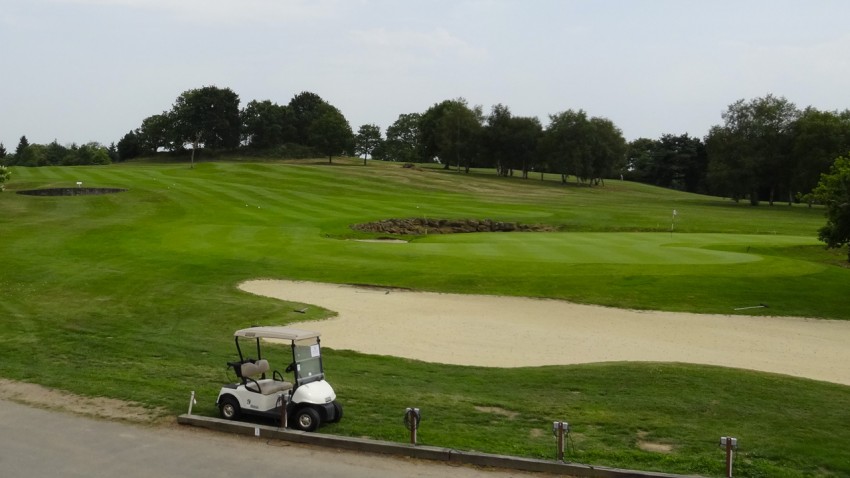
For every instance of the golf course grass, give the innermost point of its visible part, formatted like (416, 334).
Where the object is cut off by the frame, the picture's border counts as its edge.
(133, 296)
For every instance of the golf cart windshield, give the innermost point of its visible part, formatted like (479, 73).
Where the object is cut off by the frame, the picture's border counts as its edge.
(308, 360)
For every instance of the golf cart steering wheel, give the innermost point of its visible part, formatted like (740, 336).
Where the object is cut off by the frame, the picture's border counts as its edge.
(290, 367)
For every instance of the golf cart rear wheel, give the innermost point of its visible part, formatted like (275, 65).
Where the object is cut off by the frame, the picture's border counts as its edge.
(229, 408)
(307, 419)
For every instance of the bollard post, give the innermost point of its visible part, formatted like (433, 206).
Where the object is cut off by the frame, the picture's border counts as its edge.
(560, 429)
(191, 401)
(411, 421)
(730, 444)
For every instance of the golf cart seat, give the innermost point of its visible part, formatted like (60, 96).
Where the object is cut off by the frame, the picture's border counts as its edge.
(266, 386)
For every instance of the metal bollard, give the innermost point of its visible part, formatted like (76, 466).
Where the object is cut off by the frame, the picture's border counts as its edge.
(192, 401)
(730, 444)
(560, 429)
(411, 421)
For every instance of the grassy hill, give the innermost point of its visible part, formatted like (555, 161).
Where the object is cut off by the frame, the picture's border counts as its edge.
(132, 295)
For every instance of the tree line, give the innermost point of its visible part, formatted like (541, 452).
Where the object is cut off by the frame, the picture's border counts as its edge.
(457, 135)
(55, 154)
(210, 118)
(766, 149)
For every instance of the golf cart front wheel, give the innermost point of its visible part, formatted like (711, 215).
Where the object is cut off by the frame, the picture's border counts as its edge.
(337, 412)
(229, 408)
(307, 419)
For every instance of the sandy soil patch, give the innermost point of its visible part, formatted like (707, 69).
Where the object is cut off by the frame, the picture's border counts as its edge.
(101, 407)
(515, 332)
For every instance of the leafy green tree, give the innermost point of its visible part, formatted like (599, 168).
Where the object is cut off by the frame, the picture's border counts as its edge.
(304, 109)
(508, 142)
(450, 131)
(368, 138)
(5, 175)
(32, 155)
(752, 147)
(566, 142)
(833, 190)
(157, 131)
(403, 139)
(678, 162)
(266, 125)
(496, 140)
(640, 160)
(589, 148)
(728, 173)
(607, 151)
(87, 154)
(330, 133)
(3, 152)
(112, 149)
(818, 137)
(55, 154)
(129, 146)
(22, 145)
(207, 116)
(525, 134)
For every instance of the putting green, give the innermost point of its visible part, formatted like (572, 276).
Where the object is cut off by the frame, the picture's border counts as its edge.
(602, 248)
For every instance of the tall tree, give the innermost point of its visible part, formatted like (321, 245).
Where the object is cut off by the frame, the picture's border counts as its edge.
(208, 116)
(833, 190)
(157, 131)
(330, 133)
(22, 145)
(367, 139)
(496, 140)
(755, 141)
(728, 173)
(266, 124)
(640, 160)
(566, 143)
(305, 108)
(31, 155)
(677, 162)
(2, 151)
(403, 139)
(510, 142)
(129, 146)
(525, 134)
(607, 150)
(55, 154)
(450, 131)
(818, 137)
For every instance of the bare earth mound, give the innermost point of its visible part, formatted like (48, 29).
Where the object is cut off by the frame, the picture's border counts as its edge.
(515, 332)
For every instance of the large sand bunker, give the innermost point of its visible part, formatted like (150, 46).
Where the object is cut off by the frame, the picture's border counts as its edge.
(515, 332)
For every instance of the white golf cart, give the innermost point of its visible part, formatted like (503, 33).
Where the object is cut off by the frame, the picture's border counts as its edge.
(307, 401)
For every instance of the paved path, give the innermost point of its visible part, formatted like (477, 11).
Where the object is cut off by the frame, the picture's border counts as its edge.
(36, 442)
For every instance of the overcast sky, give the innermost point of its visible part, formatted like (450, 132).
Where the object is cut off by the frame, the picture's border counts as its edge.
(92, 70)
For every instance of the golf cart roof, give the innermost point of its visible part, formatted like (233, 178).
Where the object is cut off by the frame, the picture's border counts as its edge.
(276, 332)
